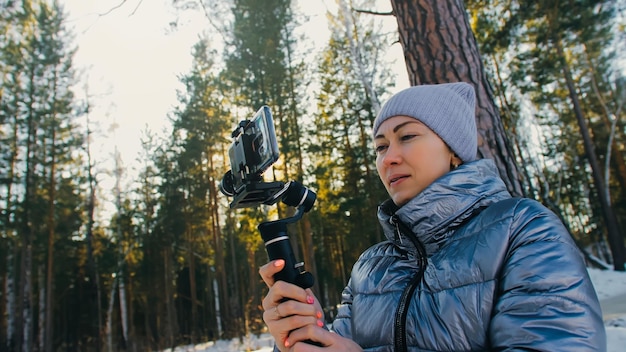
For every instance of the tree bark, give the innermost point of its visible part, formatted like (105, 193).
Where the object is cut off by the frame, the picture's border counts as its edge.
(121, 264)
(109, 319)
(47, 335)
(123, 308)
(92, 265)
(41, 308)
(191, 262)
(9, 294)
(439, 47)
(226, 318)
(11, 276)
(25, 289)
(171, 325)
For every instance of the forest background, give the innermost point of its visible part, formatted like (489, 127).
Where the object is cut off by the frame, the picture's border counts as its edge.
(169, 263)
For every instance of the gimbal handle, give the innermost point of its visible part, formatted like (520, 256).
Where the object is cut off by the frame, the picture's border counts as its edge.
(277, 245)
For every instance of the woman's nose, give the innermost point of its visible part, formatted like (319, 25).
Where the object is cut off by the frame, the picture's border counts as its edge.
(392, 155)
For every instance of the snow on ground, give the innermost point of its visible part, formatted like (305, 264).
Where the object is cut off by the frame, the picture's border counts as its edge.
(263, 343)
(608, 284)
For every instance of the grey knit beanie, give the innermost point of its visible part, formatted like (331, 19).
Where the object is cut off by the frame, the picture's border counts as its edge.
(448, 109)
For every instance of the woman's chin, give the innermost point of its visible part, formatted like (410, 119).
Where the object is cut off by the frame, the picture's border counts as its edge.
(399, 200)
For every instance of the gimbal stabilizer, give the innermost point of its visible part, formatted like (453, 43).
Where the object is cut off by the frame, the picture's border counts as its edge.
(253, 150)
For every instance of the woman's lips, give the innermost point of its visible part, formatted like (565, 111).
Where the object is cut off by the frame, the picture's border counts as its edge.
(396, 179)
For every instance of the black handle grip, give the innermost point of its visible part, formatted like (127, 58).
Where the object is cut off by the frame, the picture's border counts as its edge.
(277, 245)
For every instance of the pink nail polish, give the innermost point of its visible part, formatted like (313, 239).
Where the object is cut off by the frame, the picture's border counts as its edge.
(320, 324)
(286, 343)
(310, 299)
(318, 315)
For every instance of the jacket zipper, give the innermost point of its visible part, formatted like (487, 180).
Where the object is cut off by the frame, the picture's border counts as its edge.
(400, 343)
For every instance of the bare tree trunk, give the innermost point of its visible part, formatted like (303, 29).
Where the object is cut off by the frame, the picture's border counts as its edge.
(41, 309)
(607, 165)
(109, 319)
(91, 261)
(121, 261)
(439, 47)
(51, 225)
(169, 305)
(27, 309)
(24, 305)
(192, 287)
(11, 306)
(25, 291)
(9, 289)
(224, 305)
(251, 303)
(123, 309)
(614, 234)
(237, 298)
(217, 303)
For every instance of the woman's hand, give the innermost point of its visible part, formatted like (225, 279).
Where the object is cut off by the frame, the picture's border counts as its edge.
(287, 307)
(329, 340)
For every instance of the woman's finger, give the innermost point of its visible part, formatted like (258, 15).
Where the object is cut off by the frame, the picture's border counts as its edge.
(292, 300)
(309, 338)
(268, 271)
(280, 326)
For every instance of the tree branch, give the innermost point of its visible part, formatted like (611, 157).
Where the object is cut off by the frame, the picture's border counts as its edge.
(370, 12)
(136, 7)
(112, 9)
(207, 15)
(120, 5)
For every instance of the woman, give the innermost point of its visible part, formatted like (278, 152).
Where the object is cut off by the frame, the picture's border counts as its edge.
(465, 266)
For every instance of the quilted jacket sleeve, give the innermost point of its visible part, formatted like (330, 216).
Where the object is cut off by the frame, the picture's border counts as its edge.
(342, 324)
(547, 301)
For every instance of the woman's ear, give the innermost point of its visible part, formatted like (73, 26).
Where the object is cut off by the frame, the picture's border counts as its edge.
(455, 161)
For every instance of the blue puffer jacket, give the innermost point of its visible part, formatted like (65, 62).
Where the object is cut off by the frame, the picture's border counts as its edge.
(501, 273)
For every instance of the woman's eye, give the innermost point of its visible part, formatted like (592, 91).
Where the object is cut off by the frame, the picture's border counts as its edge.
(407, 137)
(380, 148)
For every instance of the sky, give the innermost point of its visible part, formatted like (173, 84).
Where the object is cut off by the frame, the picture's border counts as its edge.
(608, 284)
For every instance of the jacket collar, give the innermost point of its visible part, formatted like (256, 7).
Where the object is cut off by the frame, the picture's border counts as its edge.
(435, 213)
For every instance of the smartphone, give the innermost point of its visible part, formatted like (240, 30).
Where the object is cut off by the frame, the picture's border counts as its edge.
(253, 150)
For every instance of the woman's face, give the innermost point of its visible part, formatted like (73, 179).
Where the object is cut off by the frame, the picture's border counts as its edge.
(409, 157)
